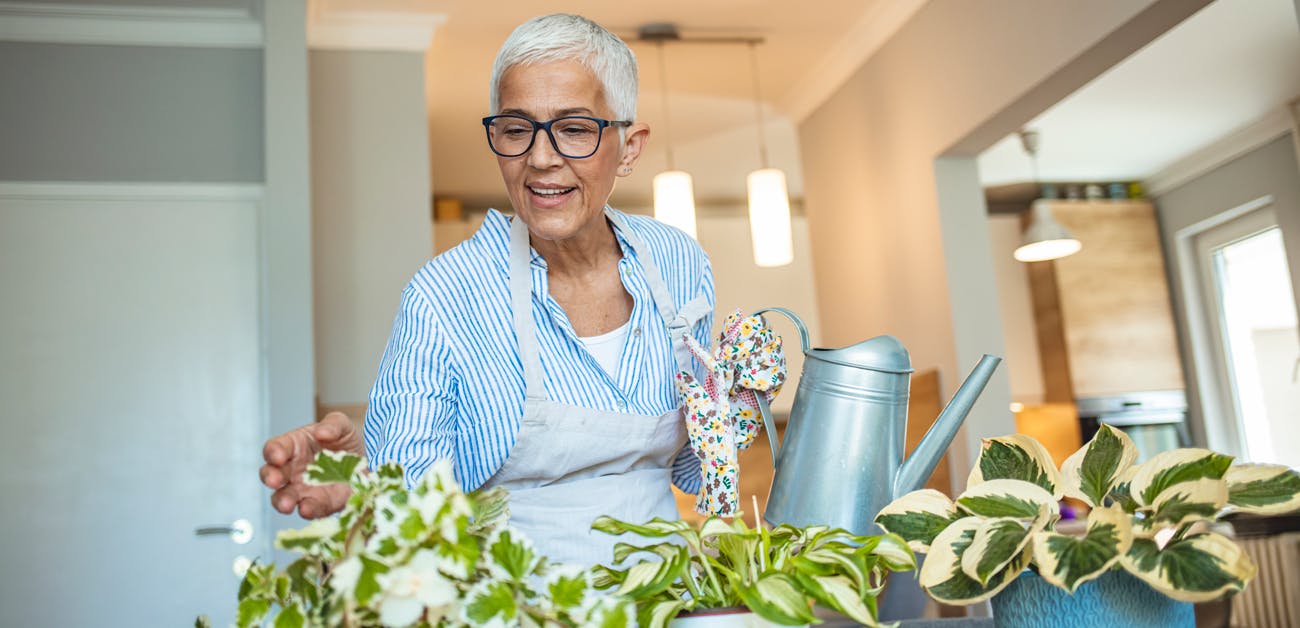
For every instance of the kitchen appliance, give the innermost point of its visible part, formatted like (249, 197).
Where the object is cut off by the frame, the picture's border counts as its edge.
(842, 460)
(1155, 420)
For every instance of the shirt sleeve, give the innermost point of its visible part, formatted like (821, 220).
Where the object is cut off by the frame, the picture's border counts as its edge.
(686, 466)
(411, 418)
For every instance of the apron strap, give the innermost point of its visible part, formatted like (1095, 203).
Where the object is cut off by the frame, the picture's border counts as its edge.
(679, 323)
(521, 306)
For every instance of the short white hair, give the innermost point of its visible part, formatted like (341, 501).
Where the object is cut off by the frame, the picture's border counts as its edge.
(566, 37)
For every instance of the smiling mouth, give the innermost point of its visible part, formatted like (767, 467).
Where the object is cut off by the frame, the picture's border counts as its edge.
(550, 192)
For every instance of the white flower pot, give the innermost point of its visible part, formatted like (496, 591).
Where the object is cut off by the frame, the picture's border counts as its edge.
(732, 617)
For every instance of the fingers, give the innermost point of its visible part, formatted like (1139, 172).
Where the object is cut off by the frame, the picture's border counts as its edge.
(324, 502)
(277, 451)
(272, 476)
(285, 499)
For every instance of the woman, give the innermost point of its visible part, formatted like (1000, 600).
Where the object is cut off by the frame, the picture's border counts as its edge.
(539, 355)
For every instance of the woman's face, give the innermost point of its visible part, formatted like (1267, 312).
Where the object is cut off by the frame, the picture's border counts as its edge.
(557, 197)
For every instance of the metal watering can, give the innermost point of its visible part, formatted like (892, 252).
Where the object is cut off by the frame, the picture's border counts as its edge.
(842, 461)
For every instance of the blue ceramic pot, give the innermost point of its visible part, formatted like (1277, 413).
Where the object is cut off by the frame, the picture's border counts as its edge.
(1115, 600)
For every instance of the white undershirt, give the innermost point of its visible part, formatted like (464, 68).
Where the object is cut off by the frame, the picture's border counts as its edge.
(608, 347)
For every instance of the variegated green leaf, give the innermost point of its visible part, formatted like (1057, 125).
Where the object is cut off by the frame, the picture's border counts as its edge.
(1263, 489)
(894, 552)
(659, 613)
(996, 543)
(1008, 498)
(331, 467)
(1199, 568)
(942, 576)
(648, 578)
(777, 598)
(1016, 457)
(1069, 561)
(654, 529)
(490, 601)
(289, 617)
(842, 595)
(1168, 468)
(1185, 502)
(313, 538)
(1121, 493)
(1090, 473)
(918, 517)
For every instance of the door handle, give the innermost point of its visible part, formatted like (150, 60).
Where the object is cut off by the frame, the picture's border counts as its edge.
(240, 531)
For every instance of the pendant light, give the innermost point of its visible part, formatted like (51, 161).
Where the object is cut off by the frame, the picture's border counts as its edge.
(769, 199)
(1045, 238)
(674, 191)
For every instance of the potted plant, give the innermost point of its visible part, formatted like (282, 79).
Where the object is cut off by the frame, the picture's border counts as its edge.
(1149, 535)
(722, 566)
(428, 556)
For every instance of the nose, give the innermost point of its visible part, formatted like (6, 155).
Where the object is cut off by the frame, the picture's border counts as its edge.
(543, 154)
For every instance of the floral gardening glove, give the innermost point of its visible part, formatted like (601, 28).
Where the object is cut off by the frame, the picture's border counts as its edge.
(722, 415)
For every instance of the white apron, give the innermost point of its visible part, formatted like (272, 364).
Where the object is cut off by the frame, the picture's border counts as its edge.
(571, 464)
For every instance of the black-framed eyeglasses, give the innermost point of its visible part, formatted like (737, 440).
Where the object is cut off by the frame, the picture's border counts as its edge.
(575, 137)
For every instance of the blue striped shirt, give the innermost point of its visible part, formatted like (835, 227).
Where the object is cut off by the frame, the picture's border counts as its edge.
(451, 382)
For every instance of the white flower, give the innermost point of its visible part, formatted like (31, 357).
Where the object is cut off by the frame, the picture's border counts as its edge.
(440, 477)
(427, 504)
(410, 589)
(343, 579)
(388, 516)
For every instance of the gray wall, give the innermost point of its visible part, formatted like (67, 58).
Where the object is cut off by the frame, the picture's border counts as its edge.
(1268, 170)
(128, 113)
(371, 227)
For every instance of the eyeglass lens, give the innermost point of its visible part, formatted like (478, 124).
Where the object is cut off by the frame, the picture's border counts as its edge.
(512, 136)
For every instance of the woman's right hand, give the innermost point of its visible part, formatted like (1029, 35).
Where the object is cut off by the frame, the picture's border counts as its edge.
(288, 455)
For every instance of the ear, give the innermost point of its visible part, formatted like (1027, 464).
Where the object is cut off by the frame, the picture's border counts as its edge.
(635, 138)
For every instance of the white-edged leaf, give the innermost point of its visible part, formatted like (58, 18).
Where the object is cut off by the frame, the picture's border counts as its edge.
(918, 517)
(941, 574)
(1263, 489)
(658, 613)
(1008, 498)
(777, 598)
(1172, 467)
(840, 594)
(1069, 561)
(1195, 500)
(1199, 568)
(1090, 473)
(315, 538)
(1016, 457)
(996, 543)
(332, 467)
(894, 552)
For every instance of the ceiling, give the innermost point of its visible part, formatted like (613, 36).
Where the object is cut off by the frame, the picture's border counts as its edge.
(1229, 65)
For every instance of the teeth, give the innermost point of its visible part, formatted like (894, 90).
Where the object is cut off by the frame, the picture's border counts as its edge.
(549, 191)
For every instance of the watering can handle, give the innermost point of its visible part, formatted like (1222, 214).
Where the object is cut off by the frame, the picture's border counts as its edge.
(804, 345)
(769, 424)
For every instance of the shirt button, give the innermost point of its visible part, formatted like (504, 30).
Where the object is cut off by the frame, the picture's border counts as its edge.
(622, 405)
(636, 331)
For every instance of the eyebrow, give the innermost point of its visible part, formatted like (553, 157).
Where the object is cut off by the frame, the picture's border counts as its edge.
(572, 111)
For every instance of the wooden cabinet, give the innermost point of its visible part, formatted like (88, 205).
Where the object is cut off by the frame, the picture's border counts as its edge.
(1103, 315)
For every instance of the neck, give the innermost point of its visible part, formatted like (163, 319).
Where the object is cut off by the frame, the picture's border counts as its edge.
(588, 250)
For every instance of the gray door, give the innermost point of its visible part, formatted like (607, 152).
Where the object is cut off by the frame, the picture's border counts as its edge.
(131, 389)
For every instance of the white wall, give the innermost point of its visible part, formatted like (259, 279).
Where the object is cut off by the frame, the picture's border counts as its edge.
(899, 249)
(370, 207)
(1018, 328)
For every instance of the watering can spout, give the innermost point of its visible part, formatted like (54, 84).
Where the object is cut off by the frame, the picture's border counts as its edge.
(917, 468)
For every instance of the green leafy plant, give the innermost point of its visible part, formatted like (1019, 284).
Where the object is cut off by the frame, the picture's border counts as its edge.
(778, 574)
(428, 556)
(1151, 519)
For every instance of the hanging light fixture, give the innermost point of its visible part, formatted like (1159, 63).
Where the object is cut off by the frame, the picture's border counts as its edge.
(673, 189)
(1045, 238)
(769, 199)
